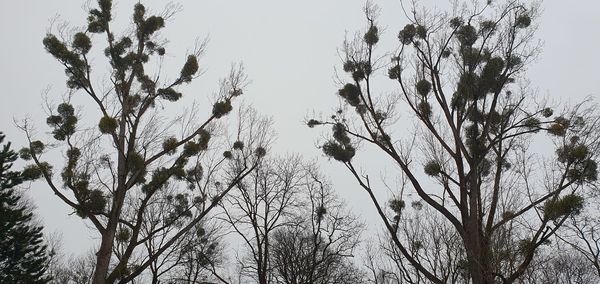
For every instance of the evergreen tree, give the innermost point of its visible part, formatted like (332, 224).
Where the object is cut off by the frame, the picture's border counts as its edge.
(23, 256)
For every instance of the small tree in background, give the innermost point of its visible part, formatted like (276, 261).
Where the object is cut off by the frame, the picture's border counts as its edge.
(23, 256)
(460, 78)
(115, 168)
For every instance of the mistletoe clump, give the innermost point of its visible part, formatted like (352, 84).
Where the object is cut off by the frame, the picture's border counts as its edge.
(559, 207)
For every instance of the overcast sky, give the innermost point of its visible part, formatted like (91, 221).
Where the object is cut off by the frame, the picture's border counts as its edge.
(289, 49)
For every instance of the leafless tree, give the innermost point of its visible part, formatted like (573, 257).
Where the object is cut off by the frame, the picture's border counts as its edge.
(320, 246)
(557, 264)
(582, 234)
(264, 202)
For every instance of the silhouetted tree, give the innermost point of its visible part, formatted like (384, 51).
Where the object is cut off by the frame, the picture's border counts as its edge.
(460, 76)
(23, 255)
(319, 247)
(265, 201)
(115, 168)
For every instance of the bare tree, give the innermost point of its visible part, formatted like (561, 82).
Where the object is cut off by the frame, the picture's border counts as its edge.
(264, 202)
(115, 168)
(320, 246)
(430, 239)
(72, 269)
(558, 264)
(460, 76)
(582, 234)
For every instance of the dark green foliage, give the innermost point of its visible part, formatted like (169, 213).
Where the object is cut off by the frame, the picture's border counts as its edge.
(371, 36)
(572, 153)
(115, 54)
(349, 66)
(339, 152)
(526, 246)
(91, 202)
(407, 34)
(395, 72)
(68, 172)
(466, 35)
(484, 167)
(75, 67)
(203, 139)
(470, 56)
(340, 149)
(36, 147)
(351, 93)
(339, 133)
(508, 214)
(417, 205)
(122, 235)
(64, 123)
(238, 145)
(25, 154)
(559, 127)
(446, 53)
(424, 108)
(320, 211)
(547, 112)
(179, 208)
(455, 23)
(228, 155)
(423, 87)
(23, 257)
(312, 122)
(191, 148)
(585, 171)
(189, 69)
(566, 205)
(170, 145)
(195, 173)
(475, 145)
(169, 94)
(260, 152)
(220, 109)
(33, 172)
(421, 32)
(159, 180)
(487, 27)
(397, 205)
(361, 70)
(146, 27)
(107, 125)
(201, 249)
(491, 80)
(135, 162)
(513, 61)
(523, 21)
(467, 86)
(99, 18)
(138, 13)
(82, 43)
(152, 24)
(432, 168)
(532, 123)
(361, 109)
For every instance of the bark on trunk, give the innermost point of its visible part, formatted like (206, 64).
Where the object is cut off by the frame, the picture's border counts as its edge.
(103, 256)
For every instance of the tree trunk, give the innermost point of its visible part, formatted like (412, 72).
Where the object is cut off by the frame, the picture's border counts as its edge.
(103, 256)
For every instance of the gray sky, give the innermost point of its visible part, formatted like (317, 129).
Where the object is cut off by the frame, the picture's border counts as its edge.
(289, 51)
